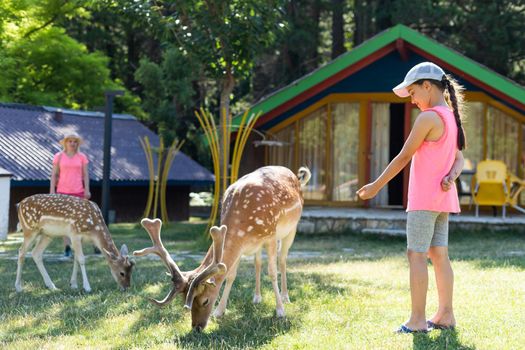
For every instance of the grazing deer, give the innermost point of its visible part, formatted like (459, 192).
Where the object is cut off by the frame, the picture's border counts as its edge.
(258, 210)
(54, 215)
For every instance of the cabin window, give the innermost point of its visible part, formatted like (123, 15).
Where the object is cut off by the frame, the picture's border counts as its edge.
(312, 152)
(283, 153)
(473, 125)
(502, 133)
(345, 165)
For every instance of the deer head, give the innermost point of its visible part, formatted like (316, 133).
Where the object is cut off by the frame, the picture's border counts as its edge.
(198, 287)
(120, 266)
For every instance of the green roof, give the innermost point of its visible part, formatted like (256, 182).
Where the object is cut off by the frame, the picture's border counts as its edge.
(452, 57)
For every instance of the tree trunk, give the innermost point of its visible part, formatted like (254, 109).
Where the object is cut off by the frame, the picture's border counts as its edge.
(314, 17)
(225, 120)
(338, 34)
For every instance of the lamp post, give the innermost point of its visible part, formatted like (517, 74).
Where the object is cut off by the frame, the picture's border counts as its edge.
(106, 170)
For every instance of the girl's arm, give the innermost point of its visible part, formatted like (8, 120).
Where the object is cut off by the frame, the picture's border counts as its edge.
(53, 181)
(454, 172)
(425, 122)
(85, 172)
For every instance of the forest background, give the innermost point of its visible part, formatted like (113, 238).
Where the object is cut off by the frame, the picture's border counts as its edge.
(172, 57)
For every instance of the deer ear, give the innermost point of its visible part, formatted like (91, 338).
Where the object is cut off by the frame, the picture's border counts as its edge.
(124, 250)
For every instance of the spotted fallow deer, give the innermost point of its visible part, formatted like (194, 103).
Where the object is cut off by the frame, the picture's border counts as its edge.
(46, 216)
(259, 210)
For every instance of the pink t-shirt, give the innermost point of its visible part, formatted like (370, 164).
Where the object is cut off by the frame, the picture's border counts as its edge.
(430, 164)
(70, 177)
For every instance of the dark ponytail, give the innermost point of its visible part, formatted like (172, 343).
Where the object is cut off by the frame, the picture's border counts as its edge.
(454, 95)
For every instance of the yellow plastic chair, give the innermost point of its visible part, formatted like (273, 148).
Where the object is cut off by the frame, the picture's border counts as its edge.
(493, 185)
(516, 186)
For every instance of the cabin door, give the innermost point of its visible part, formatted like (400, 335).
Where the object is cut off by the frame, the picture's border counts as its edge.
(388, 124)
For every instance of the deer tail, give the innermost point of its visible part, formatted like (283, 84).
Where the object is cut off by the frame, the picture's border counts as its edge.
(304, 175)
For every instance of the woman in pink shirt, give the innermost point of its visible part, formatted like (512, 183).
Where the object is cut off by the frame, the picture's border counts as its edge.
(70, 173)
(434, 147)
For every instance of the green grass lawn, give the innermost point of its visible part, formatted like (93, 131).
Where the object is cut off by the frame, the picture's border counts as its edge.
(350, 294)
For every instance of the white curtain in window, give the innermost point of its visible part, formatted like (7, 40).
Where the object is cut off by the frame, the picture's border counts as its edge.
(312, 152)
(345, 132)
(502, 138)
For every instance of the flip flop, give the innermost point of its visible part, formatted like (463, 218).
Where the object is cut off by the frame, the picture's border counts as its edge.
(405, 330)
(432, 325)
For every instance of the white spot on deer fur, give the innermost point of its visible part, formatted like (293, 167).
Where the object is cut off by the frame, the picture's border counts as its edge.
(241, 233)
(259, 221)
(245, 206)
(250, 228)
(237, 212)
(237, 221)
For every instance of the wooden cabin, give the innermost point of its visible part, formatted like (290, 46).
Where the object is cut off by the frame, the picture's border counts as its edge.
(344, 122)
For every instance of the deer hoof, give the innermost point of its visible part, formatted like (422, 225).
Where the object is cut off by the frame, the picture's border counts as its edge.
(257, 299)
(87, 289)
(52, 287)
(74, 286)
(18, 288)
(280, 313)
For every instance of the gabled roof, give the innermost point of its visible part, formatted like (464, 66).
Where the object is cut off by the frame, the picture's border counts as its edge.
(400, 38)
(29, 138)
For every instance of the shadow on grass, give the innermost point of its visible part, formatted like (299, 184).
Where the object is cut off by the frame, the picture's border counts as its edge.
(253, 326)
(447, 339)
(485, 249)
(49, 314)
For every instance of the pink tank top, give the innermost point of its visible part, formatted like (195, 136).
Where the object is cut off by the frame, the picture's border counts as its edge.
(71, 176)
(430, 164)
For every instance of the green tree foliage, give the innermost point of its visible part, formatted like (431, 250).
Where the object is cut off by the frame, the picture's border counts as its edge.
(489, 32)
(170, 96)
(41, 64)
(225, 36)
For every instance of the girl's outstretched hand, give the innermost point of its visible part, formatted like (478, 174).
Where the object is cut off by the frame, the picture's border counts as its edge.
(367, 191)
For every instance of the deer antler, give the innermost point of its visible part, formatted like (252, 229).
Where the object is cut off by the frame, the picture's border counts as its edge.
(215, 268)
(179, 281)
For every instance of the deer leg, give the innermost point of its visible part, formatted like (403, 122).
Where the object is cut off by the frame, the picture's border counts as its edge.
(272, 272)
(38, 254)
(286, 243)
(29, 238)
(257, 297)
(221, 308)
(76, 242)
(73, 282)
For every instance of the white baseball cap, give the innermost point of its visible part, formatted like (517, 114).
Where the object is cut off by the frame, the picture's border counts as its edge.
(425, 70)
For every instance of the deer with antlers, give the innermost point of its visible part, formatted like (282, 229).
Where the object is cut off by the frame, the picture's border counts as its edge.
(45, 216)
(259, 210)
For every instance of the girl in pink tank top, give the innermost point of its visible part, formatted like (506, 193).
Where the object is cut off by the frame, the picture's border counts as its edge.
(70, 174)
(434, 147)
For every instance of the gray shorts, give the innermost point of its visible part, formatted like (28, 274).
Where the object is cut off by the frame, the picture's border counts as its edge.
(425, 229)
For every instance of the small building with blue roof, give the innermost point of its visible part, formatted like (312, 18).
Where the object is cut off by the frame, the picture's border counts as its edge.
(30, 135)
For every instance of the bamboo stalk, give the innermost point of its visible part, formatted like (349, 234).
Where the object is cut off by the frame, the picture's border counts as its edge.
(234, 171)
(149, 158)
(211, 134)
(172, 152)
(157, 182)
